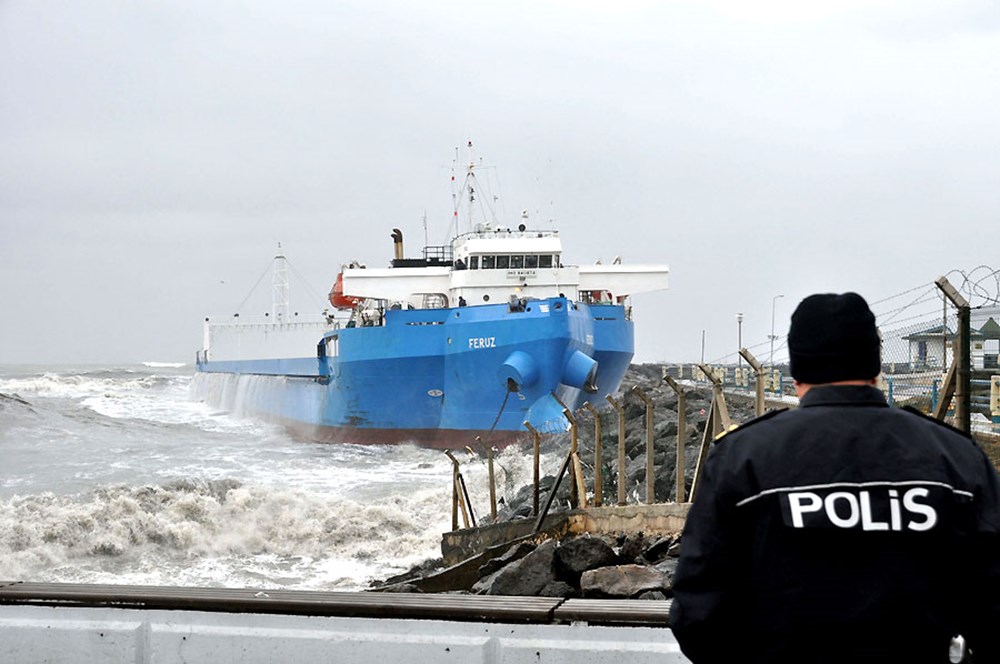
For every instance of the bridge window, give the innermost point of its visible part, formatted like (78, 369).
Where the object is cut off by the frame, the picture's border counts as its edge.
(531, 261)
(516, 262)
(545, 260)
(473, 262)
(489, 262)
(503, 262)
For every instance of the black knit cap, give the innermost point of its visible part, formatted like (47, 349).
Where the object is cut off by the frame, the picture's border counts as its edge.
(833, 338)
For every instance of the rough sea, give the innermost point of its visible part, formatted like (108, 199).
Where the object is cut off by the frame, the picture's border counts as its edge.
(125, 475)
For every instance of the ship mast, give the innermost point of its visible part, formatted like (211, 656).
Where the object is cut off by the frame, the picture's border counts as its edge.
(279, 287)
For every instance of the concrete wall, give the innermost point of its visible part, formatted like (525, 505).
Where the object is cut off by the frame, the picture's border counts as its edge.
(64, 635)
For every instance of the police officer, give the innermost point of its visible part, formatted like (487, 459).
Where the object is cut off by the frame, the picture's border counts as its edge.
(842, 530)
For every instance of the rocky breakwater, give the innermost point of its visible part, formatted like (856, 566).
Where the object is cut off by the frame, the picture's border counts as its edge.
(591, 566)
(630, 566)
(553, 563)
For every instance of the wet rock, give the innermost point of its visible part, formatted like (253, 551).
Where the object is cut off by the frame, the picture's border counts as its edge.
(580, 554)
(658, 550)
(667, 568)
(402, 588)
(621, 581)
(527, 576)
(558, 589)
(515, 552)
(632, 547)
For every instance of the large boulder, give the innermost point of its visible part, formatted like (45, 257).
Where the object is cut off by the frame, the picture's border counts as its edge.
(621, 581)
(527, 576)
(577, 555)
(515, 552)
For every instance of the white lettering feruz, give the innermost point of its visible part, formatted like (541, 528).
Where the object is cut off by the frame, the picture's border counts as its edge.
(482, 342)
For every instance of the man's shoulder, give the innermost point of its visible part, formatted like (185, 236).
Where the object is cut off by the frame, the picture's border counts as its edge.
(935, 421)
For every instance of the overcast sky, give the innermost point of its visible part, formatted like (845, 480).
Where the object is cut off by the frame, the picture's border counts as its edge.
(152, 154)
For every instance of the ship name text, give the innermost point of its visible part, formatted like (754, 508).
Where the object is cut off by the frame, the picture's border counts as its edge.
(483, 342)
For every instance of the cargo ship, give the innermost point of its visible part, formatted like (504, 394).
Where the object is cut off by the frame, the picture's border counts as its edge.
(469, 340)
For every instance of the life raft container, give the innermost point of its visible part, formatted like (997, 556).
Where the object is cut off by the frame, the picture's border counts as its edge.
(337, 297)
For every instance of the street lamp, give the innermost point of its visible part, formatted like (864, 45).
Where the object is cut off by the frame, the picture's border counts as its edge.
(739, 337)
(774, 301)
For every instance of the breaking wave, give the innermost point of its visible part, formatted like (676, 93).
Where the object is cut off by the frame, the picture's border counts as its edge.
(194, 532)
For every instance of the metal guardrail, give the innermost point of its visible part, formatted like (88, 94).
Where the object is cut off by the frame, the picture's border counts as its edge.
(465, 608)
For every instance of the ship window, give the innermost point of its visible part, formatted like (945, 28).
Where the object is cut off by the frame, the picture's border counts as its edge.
(545, 260)
(489, 262)
(503, 262)
(473, 262)
(531, 261)
(517, 262)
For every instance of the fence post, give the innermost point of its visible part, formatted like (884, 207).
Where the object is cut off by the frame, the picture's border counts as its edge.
(963, 385)
(679, 493)
(719, 409)
(758, 370)
(574, 497)
(650, 492)
(454, 490)
(493, 481)
(535, 450)
(621, 446)
(995, 399)
(598, 454)
(460, 497)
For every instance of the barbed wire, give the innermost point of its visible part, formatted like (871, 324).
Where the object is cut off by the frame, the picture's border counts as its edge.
(980, 285)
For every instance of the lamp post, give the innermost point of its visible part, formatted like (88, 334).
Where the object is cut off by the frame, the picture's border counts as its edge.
(739, 339)
(774, 301)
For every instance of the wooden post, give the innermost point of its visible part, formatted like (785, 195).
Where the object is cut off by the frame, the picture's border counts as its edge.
(621, 446)
(460, 497)
(947, 392)
(598, 453)
(574, 493)
(720, 413)
(552, 492)
(706, 443)
(454, 490)
(650, 492)
(960, 349)
(581, 486)
(535, 449)
(679, 493)
(493, 481)
(758, 370)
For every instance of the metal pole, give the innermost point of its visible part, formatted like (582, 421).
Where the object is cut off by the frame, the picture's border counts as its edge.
(535, 449)
(454, 490)
(574, 498)
(759, 372)
(493, 482)
(650, 497)
(679, 493)
(598, 453)
(739, 338)
(963, 403)
(774, 301)
(963, 399)
(621, 446)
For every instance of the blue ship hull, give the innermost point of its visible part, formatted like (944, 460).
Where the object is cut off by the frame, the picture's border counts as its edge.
(442, 377)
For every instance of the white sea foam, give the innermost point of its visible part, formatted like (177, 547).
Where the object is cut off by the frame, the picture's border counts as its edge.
(217, 532)
(89, 489)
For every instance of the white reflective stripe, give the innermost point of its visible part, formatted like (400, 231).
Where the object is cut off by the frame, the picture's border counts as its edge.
(853, 485)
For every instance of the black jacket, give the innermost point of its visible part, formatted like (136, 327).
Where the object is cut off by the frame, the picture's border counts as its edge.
(841, 531)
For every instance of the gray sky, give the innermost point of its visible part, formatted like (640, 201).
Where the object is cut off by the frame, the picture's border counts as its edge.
(153, 154)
